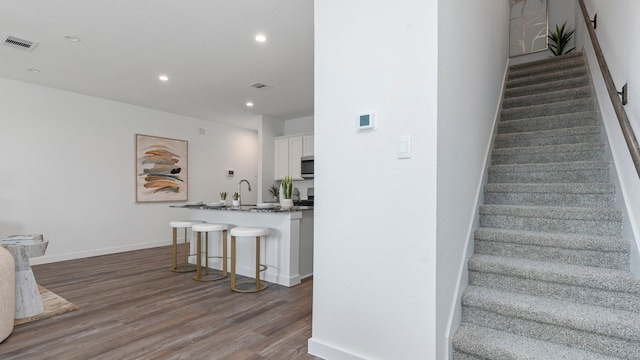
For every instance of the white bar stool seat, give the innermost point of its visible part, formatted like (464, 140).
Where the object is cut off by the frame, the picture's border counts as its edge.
(206, 228)
(185, 266)
(248, 232)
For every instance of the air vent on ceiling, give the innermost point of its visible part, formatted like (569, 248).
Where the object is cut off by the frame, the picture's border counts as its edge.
(261, 86)
(16, 43)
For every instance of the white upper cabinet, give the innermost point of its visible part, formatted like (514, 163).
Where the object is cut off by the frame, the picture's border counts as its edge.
(281, 160)
(288, 151)
(307, 145)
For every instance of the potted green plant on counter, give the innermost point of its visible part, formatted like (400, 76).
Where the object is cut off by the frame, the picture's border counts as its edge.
(287, 186)
(236, 199)
(275, 193)
(223, 197)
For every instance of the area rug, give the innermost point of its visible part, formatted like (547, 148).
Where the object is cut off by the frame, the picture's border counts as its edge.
(53, 305)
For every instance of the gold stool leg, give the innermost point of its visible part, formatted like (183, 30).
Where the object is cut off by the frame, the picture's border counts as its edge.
(174, 258)
(233, 263)
(224, 253)
(206, 258)
(259, 286)
(198, 275)
(207, 275)
(185, 267)
(257, 263)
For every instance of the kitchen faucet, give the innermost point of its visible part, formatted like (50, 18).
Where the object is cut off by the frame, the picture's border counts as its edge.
(239, 193)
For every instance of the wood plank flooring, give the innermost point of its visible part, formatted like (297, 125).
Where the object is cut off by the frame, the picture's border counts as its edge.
(132, 307)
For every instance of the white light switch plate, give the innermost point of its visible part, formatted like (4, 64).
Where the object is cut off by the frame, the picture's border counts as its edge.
(404, 147)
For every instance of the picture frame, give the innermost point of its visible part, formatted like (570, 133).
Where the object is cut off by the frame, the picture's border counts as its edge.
(161, 169)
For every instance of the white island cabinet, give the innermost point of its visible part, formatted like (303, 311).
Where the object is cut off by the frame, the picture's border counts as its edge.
(287, 251)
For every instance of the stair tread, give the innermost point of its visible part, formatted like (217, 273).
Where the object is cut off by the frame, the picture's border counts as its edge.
(537, 110)
(553, 212)
(546, 61)
(555, 239)
(550, 148)
(551, 105)
(558, 121)
(548, 97)
(546, 77)
(578, 275)
(495, 344)
(571, 165)
(532, 89)
(578, 130)
(599, 320)
(575, 188)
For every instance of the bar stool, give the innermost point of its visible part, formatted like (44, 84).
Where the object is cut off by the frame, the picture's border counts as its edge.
(184, 267)
(205, 228)
(248, 232)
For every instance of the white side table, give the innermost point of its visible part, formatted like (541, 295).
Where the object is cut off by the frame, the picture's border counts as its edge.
(28, 298)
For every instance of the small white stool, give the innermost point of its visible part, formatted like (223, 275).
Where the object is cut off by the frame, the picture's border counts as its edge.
(185, 266)
(248, 232)
(205, 228)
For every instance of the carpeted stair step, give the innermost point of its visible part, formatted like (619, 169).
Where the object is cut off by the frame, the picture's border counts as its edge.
(574, 135)
(564, 121)
(591, 221)
(542, 67)
(533, 89)
(592, 328)
(546, 77)
(613, 288)
(549, 97)
(548, 153)
(560, 108)
(549, 61)
(572, 194)
(585, 250)
(570, 172)
(473, 342)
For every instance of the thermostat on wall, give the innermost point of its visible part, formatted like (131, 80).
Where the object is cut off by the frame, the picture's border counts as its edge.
(367, 122)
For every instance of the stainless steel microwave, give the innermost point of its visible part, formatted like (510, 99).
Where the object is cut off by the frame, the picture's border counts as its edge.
(306, 167)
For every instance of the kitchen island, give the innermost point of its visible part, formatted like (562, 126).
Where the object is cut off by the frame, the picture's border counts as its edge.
(287, 251)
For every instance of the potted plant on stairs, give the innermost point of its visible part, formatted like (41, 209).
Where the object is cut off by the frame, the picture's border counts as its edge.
(560, 39)
(286, 187)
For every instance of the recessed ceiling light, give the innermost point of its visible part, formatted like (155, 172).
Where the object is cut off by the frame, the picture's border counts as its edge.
(72, 38)
(34, 70)
(163, 78)
(249, 104)
(261, 38)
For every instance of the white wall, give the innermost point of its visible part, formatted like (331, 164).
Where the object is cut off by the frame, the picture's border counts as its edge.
(470, 80)
(616, 23)
(298, 126)
(617, 31)
(375, 215)
(268, 128)
(68, 169)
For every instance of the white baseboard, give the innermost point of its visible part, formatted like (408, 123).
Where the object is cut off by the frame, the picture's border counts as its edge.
(326, 351)
(96, 252)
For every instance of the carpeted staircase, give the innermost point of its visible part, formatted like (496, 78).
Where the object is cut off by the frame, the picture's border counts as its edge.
(550, 275)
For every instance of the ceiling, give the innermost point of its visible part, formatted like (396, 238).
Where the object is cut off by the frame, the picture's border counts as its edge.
(207, 48)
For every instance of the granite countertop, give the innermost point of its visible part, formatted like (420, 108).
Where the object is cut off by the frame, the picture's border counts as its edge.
(248, 208)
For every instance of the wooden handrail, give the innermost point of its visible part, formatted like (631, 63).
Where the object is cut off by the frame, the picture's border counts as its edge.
(627, 130)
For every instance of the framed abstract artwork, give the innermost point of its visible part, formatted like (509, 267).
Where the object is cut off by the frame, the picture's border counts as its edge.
(161, 169)
(528, 27)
